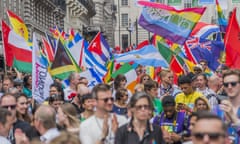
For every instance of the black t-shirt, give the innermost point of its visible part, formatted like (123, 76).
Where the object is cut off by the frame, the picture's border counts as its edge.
(126, 135)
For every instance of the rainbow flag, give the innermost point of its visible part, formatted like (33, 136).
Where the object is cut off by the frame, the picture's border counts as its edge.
(110, 66)
(174, 25)
(221, 18)
(18, 25)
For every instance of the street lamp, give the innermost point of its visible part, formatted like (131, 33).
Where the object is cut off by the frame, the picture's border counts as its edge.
(130, 29)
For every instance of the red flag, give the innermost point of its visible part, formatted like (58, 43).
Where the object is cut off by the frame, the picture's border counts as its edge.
(8, 53)
(176, 66)
(142, 44)
(48, 50)
(232, 42)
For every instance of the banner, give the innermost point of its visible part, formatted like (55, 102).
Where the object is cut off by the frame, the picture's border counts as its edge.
(41, 79)
(174, 2)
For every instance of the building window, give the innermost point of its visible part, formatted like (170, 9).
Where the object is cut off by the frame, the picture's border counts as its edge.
(124, 2)
(160, 1)
(124, 41)
(187, 3)
(124, 20)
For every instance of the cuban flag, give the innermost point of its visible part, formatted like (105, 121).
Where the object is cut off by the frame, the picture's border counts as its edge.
(100, 49)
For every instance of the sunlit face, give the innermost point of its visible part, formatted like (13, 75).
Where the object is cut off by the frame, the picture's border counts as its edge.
(153, 92)
(123, 83)
(22, 105)
(208, 131)
(168, 78)
(141, 109)
(89, 104)
(53, 90)
(201, 105)
(232, 86)
(105, 101)
(10, 103)
(201, 82)
(7, 84)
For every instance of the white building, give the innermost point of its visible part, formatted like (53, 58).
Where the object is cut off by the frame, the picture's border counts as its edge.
(126, 31)
(128, 12)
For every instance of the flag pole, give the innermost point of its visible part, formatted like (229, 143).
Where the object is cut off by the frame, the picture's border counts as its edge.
(3, 50)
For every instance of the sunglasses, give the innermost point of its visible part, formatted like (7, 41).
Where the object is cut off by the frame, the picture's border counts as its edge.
(140, 107)
(212, 136)
(107, 99)
(9, 106)
(233, 84)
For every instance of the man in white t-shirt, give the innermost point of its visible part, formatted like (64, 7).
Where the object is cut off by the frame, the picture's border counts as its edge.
(101, 127)
(72, 88)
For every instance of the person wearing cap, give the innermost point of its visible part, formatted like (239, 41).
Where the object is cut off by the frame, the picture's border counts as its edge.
(171, 121)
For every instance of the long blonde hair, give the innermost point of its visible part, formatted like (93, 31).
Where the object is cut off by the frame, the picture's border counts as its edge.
(71, 113)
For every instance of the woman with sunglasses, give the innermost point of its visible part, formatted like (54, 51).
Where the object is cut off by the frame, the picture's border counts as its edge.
(139, 129)
(120, 105)
(22, 108)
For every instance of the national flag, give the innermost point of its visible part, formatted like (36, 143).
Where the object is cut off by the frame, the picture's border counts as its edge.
(142, 44)
(208, 50)
(52, 41)
(18, 25)
(166, 21)
(232, 42)
(63, 63)
(222, 21)
(76, 48)
(41, 79)
(146, 56)
(100, 49)
(48, 49)
(17, 52)
(91, 62)
(71, 34)
(92, 77)
(150, 71)
(7, 50)
(129, 72)
(110, 67)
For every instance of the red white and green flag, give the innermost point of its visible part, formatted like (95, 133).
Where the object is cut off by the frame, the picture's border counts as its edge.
(17, 51)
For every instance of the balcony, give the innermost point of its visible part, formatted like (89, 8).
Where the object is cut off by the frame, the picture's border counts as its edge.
(90, 6)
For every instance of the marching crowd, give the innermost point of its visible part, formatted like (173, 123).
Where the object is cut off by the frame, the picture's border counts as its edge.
(203, 107)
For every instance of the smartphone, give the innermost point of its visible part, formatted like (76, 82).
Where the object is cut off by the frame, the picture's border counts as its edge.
(222, 97)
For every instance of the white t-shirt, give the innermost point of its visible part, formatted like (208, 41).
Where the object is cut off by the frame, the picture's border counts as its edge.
(67, 91)
(4, 140)
(91, 130)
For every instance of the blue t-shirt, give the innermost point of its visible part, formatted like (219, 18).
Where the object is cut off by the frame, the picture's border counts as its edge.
(119, 110)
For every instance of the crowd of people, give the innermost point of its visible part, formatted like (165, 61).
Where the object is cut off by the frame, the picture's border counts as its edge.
(202, 107)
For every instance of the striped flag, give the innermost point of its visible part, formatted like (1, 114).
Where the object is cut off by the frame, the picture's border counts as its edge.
(18, 25)
(222, 21)
(166, 21)
(100, 49)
